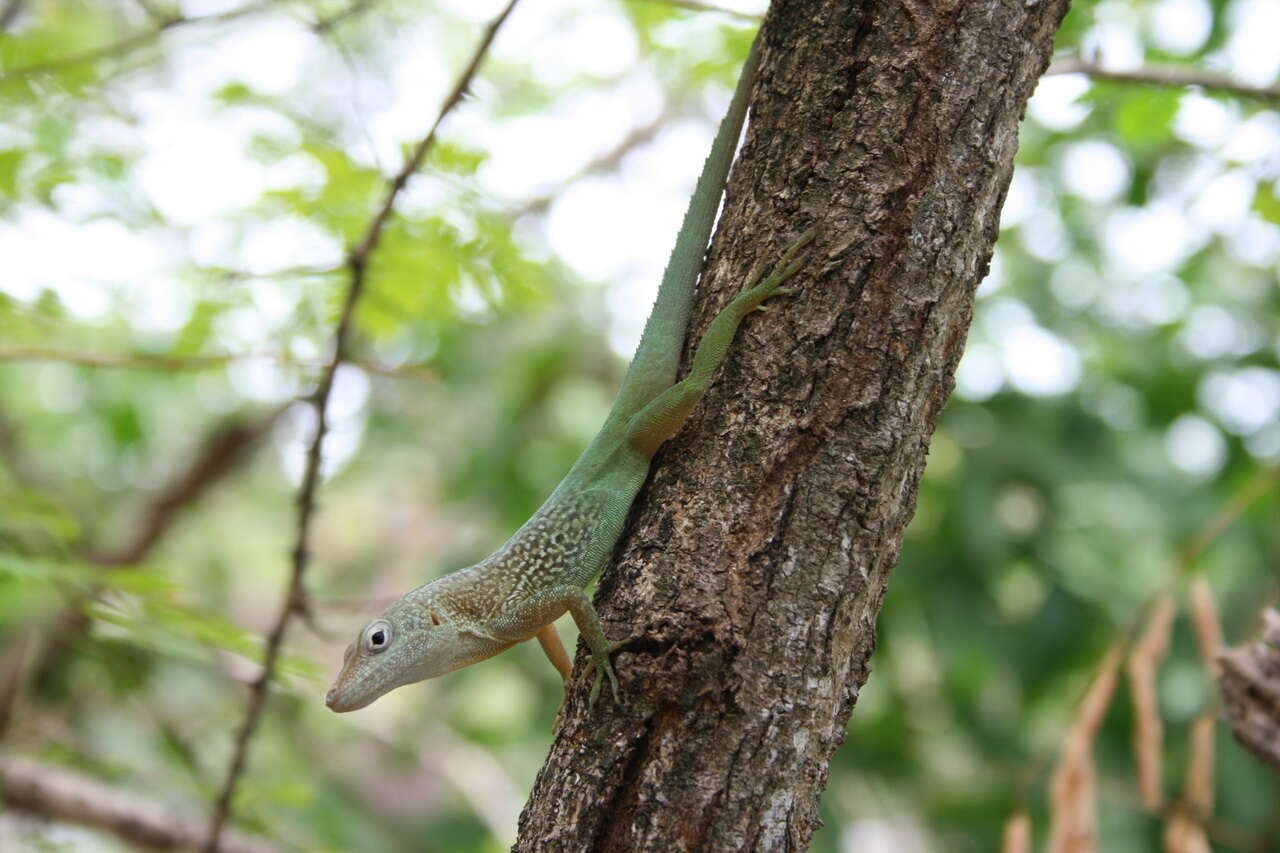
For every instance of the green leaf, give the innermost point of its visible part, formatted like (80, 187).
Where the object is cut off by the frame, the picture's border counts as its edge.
(1266, 202)
(346, 201)
(456, 158)
(125, 423)
(412, 274)
(49, 179)
(1145, 116)
(36, 569)
(110, 166)
(198, 330)
(234, 94)
(10, 161)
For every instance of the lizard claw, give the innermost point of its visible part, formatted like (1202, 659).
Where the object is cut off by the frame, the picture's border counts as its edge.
(793, 267)
(602, 667)
(757, 291)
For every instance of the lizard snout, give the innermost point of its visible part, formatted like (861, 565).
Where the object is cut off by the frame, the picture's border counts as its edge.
(331, 699)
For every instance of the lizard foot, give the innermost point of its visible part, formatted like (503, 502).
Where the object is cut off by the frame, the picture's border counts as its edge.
(601, 665)
(756, 292)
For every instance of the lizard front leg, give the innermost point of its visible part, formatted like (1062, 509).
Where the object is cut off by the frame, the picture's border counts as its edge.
(664, 415)
(536, 613)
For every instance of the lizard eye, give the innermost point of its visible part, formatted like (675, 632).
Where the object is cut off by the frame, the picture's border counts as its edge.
(377, 636)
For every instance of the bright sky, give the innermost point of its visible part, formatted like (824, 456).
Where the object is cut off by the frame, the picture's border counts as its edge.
(618, 228)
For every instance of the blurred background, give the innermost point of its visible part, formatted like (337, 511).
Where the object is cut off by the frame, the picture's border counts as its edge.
(178, 181)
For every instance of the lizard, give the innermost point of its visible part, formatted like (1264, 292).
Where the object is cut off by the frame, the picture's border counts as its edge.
(542, 571)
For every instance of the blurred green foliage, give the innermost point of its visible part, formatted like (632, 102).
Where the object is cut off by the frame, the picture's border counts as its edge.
(1057, 501)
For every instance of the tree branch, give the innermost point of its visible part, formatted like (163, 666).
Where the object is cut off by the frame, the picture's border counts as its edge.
(1165, 75)
(357, 263)
(126, 44)
(223, 450)
(160, 361)
(61, 794)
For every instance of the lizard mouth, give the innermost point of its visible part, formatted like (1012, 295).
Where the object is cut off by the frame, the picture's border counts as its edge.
(341, 705)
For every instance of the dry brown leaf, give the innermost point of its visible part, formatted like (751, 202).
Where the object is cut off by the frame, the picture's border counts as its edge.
(1073, 824)
(1017, 833)
(1197, 791)
(1183, 835)
(1184, 831)
(1204, 616)
(1148, 730)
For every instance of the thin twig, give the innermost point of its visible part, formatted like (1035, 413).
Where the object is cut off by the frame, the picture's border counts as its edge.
(357, 263)
(357, 101)
(359, 256)
(159, 361)
(128, 43)
(1165, 75)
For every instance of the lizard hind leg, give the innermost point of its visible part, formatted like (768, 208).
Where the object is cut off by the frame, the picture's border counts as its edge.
(789, 264)
(663, 416)
(553, 648)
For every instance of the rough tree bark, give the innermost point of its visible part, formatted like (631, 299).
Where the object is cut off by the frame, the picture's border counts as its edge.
(756, 560)
(1250, 685)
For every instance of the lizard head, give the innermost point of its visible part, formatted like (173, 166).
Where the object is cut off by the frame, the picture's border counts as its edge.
(408, 643)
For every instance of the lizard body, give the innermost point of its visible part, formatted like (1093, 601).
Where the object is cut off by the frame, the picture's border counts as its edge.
(540, 572)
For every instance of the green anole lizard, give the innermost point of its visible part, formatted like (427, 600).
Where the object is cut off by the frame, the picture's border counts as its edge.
(522, 588)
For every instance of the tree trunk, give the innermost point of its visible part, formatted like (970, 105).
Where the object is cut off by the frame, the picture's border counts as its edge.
(755, 564)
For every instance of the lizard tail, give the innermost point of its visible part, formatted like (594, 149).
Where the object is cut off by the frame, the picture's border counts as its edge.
(657, 359)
